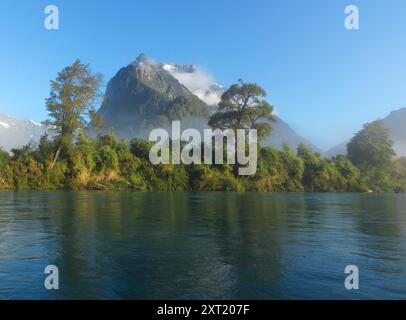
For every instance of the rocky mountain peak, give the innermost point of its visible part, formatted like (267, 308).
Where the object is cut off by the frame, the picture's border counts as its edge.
(143, 59)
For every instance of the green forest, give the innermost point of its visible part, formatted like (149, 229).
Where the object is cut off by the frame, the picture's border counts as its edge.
(73, 160)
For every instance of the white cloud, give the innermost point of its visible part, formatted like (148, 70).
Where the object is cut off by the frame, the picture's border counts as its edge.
(199, 82)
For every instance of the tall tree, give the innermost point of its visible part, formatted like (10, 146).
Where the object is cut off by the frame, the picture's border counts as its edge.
(243, 106)
(71, 103)
(4, 157)
(372, 146)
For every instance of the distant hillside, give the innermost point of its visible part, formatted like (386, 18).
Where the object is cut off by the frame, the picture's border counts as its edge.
(144, 96)
(283, 133)
(395, 122)
(338, 149)
(15, 133)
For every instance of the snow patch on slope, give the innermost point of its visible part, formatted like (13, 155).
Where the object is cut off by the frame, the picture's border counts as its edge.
(4, 124)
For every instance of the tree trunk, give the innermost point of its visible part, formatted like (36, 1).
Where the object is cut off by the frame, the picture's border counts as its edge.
(55, 158)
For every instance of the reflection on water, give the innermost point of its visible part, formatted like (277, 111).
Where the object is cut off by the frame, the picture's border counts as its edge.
(202, 245)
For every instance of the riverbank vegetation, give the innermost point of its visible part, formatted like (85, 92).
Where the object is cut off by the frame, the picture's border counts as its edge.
(107, 163)
(73, 160)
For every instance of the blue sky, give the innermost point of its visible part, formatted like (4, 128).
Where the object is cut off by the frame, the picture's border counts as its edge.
(324, 80)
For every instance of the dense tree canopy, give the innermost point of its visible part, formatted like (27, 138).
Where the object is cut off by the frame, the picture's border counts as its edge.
(242, 107)
(107, 163)
(372, 146)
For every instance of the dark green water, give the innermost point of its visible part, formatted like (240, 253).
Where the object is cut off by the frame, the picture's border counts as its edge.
(202, 245)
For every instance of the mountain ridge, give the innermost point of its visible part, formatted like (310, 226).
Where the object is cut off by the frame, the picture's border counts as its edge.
(395, 122)
(192, 79)
(143, 96)
(15, 133)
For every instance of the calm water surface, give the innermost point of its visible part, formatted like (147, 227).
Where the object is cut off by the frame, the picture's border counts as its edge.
(202, 245)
